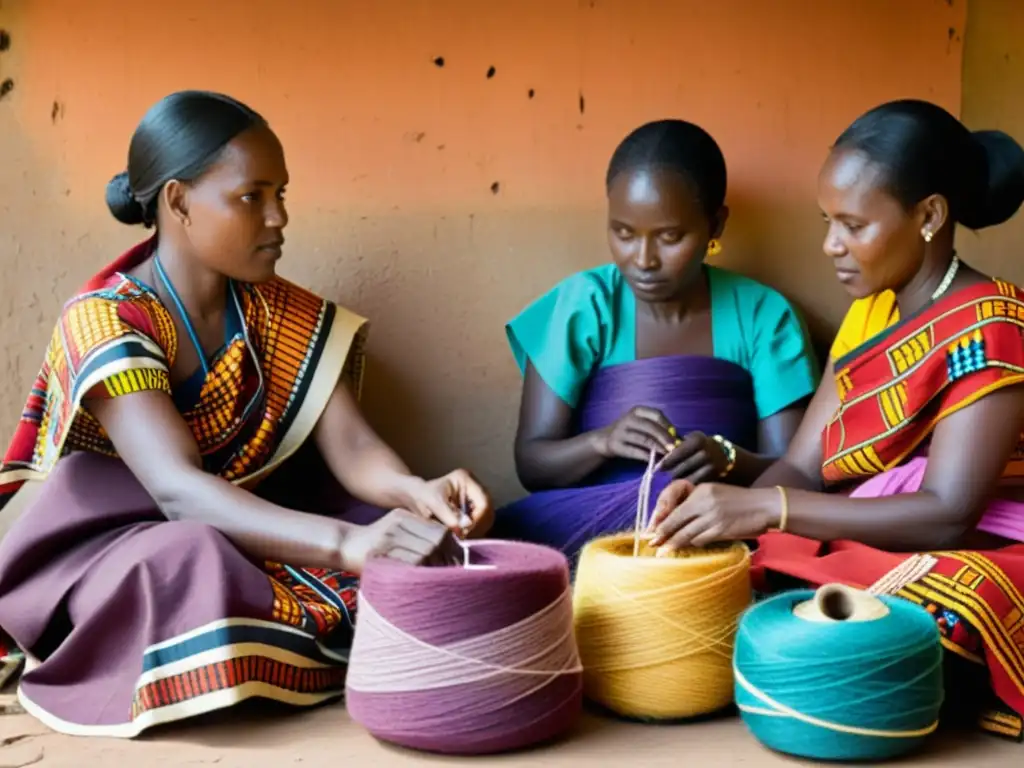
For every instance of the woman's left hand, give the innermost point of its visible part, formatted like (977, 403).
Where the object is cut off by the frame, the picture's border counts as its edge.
(696, 458)
(443, 499)
(693, 516)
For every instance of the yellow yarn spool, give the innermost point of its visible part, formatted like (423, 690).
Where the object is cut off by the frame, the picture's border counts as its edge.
(656, 633)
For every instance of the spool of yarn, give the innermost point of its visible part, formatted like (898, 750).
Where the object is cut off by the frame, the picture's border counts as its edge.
(656, 633)
(839, 674)
(467, 660)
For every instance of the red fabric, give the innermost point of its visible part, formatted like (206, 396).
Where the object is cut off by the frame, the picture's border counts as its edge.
(975, 596)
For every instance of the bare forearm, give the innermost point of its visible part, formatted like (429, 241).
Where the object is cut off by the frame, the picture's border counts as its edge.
(374, 474)
(263, 530)
(546, 464)
(904, 522)
(781, 472)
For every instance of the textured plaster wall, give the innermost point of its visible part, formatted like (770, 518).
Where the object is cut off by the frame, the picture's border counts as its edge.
(438, 200)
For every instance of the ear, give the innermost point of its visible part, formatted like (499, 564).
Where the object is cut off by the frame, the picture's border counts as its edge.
(718, 222)
(175, 199)
(933, 214)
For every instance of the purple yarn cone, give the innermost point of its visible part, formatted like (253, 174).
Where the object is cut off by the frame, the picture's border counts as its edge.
(440, 606)
(702, 394)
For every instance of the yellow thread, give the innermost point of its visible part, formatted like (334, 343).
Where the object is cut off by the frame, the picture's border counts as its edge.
(656, 633)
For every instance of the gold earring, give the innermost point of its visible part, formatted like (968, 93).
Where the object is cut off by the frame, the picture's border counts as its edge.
(927, 235)
(714, 247)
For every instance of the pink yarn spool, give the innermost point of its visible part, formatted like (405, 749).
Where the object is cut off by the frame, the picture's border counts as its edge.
(467, 660)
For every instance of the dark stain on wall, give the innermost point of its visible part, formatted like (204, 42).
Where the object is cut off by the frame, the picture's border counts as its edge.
(496, 187)
(439, 61)
(491, 72)
(530, 93)
(6, 87)
(583, 103)
(5, 40)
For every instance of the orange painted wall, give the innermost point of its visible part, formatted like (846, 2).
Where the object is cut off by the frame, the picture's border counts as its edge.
(393, 158)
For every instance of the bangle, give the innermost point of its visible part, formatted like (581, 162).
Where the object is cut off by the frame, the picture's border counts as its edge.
(784, 510)
(730, 453)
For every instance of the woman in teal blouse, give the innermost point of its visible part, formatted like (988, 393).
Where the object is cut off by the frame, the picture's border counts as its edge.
(656, 352)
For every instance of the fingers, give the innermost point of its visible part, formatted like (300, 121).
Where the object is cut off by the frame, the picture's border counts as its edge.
(696, 533)
(412, 539)
(674, 522)
(441, 509)
(646, 436)
(692, 464)
(702, 474)
(674, 494)
(653, 414)
(685, 449)
(657, 429)
(477, 499)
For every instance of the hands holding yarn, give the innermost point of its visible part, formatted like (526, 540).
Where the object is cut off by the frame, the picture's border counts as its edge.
(694, 457)
(694, 516)
(636, 434)
(399, 535)
(446, 498)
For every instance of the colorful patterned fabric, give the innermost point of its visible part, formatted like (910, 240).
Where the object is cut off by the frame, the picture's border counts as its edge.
(895, 386)
(129, 620)
(975, 598)
(896, 379)
(118, 338)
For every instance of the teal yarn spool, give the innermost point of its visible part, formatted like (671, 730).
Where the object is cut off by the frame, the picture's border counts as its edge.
(838, 674)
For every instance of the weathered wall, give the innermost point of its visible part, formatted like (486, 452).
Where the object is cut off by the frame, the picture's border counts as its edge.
(436, 200)
(993, 81)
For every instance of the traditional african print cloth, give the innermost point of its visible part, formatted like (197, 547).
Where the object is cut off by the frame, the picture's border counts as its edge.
(127, 619)
(896, 380)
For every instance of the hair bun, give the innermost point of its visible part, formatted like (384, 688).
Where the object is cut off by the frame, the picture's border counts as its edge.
(1004, 186)
(122, 202)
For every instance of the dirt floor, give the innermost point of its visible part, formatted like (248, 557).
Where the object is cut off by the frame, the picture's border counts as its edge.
(256, 737)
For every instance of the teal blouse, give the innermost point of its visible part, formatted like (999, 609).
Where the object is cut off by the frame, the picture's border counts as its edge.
(588, 321)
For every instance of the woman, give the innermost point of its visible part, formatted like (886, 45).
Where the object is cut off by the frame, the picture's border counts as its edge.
(920, 413)
(656, 352)
(146, 571)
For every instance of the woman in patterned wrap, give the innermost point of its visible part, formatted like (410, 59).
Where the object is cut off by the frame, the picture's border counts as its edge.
(176, 534)
(917, 426)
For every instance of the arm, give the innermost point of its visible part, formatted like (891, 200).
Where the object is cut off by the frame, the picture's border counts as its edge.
(363, 463)
(372, 472)
(170, 469)
(967, 456)
(966, 459)
(774, 435)
(800, 465)
(546, 456)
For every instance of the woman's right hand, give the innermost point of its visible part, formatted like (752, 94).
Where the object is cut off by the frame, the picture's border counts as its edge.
(636, 434)
(399, 535)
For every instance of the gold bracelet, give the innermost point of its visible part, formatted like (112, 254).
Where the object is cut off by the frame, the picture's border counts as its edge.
(730, 453)
(784, 511)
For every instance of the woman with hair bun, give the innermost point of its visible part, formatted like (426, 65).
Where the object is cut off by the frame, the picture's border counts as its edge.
(181, 536)
(906, 472)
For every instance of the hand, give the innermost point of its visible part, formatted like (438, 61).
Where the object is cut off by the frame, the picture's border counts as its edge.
(689, 516)
(697, 458)
(636, 434)
(443, 499)
(399, 535)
